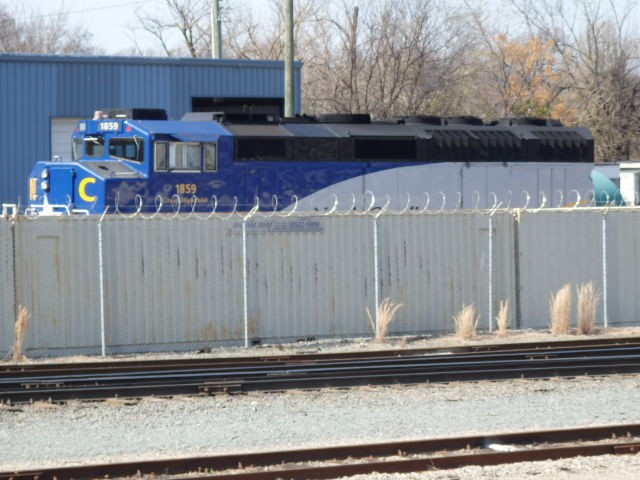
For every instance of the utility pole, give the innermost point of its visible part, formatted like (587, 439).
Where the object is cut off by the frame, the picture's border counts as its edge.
(216, 35)
(289, 99)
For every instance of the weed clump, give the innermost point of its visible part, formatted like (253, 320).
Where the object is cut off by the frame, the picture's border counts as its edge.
(502, 319)
(385, 314)
(466, 322)
(21, 329)
(560, 310)
(588, 299)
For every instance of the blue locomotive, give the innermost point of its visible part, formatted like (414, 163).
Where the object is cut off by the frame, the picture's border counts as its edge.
(138, 160)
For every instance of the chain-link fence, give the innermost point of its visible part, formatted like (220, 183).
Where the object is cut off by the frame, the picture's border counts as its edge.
(115, 284)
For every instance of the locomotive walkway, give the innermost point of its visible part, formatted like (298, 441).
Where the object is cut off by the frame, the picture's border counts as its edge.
(394, 457)
(21, 383)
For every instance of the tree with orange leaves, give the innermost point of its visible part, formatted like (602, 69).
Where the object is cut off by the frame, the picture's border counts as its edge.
(526, 80)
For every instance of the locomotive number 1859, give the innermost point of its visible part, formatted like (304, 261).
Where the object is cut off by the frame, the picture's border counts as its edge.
(186, 188)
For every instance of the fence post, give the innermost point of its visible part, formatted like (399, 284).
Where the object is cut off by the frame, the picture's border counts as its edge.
(245, 272)
(14, 316)
(491, 271)
(604, 269)
(103, 334)
(376, 267)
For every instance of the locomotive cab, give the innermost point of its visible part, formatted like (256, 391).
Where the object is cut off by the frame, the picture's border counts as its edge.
(129, 160)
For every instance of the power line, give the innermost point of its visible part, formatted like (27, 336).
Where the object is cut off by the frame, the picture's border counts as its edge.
(86, 10)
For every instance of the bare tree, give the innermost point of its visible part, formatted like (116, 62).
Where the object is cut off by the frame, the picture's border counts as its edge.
(186, 19)
(383, 57)
(22, 31)
(599, 55)
(390, 58)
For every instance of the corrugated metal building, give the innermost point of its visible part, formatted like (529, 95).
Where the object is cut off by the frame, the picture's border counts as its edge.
(41, 98)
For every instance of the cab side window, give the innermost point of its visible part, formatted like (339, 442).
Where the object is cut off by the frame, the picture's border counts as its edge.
(161, 156)
(210, 154)
(184, 156)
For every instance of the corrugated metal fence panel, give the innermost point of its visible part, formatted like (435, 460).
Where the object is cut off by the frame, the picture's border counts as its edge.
(56, 271)
(623, 274)
(172, 283)
(178, 283)
(435, 264)
(310, 276)
(557, 247)
(7, 308)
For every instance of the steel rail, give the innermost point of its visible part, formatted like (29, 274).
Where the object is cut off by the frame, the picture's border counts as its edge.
(391, 457)
(280, 376)
(122, 365)
(303, 364)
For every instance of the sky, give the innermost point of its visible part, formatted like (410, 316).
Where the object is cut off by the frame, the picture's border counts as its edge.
(108, 20)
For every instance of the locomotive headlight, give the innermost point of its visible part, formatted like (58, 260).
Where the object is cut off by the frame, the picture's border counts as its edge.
(44, 185)
(44, 174)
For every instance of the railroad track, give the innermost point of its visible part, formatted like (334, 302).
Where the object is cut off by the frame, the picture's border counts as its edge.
(100, 380)
(394, 457)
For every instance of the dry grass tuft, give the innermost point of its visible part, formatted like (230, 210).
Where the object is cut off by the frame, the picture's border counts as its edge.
(502, 319)
(466, 322)
(386, 313)
(21, 329)
(560, 310)
(588, 300)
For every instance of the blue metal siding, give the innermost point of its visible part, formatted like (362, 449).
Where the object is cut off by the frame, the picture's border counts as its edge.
(36, 88)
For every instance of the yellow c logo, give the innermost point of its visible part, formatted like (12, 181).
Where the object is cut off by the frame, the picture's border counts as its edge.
(83, 192)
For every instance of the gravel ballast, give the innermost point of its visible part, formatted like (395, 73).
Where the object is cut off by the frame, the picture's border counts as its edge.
(43, 435)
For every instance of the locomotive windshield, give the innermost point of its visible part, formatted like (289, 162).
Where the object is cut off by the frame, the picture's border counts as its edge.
(94, 146)
(185, 156)
(78, 148)
(127, 148)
